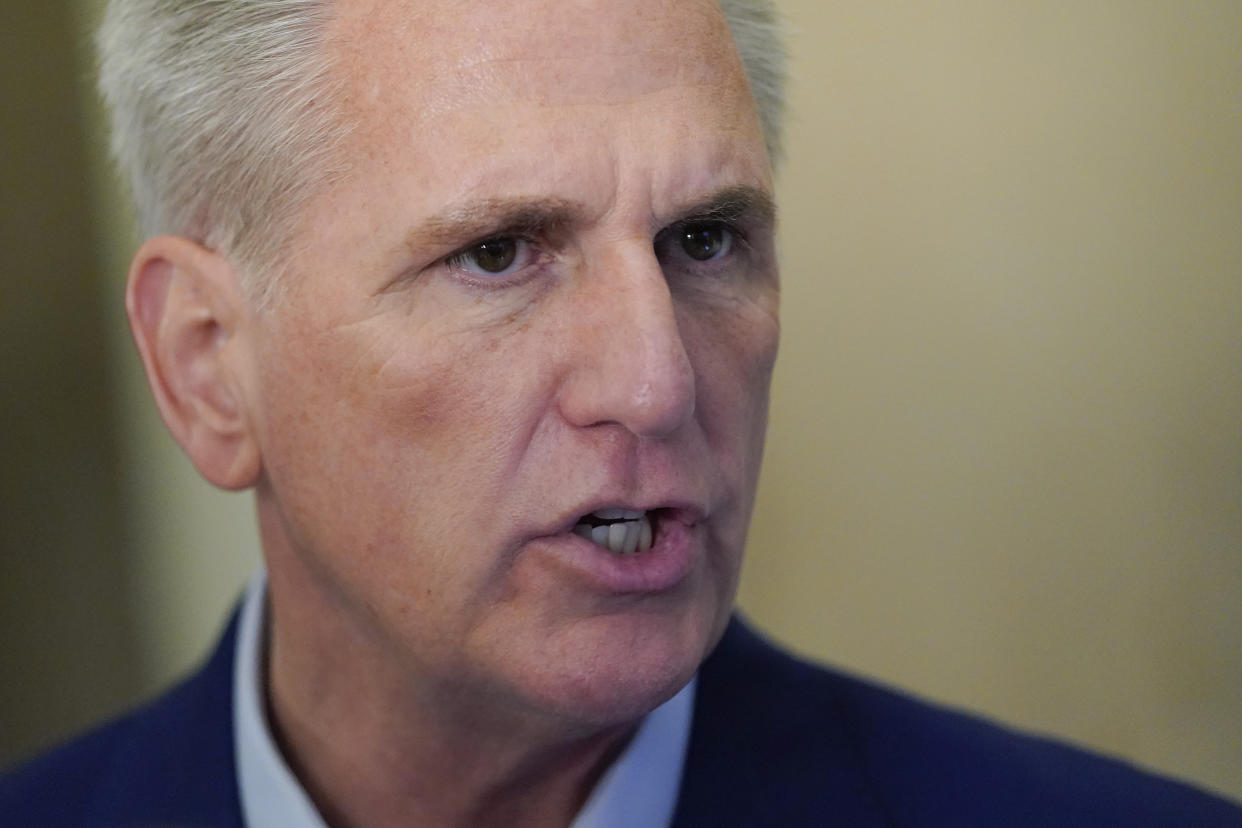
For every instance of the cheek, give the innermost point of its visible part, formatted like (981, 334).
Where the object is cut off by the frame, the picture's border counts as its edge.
(464, 403)
(387, 453)
(734, 350)
(392, 383)
(417, 426)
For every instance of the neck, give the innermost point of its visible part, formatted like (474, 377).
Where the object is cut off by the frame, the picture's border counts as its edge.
(360, 771)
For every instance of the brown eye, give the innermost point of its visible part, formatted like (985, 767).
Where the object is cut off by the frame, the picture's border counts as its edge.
(705, 240)
(493, 255)
(498, 259)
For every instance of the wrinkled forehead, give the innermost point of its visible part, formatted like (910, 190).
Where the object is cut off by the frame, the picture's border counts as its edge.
(441, 54)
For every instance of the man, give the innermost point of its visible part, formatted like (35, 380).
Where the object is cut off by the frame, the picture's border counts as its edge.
(481, 300)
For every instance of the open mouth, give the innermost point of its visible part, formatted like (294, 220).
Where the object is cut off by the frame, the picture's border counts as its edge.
(620, 531)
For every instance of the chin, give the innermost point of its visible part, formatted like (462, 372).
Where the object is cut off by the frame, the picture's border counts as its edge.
(616, 668)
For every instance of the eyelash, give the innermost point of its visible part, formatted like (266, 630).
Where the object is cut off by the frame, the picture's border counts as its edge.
(734, 228)
(540, 258)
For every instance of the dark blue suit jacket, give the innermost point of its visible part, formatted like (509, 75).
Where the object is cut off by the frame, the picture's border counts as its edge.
(775, 742)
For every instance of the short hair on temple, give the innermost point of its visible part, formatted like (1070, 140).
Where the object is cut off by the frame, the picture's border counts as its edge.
(221, 118)
(223, 115)
(760, 41)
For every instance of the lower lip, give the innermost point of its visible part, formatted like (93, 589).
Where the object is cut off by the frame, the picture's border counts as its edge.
(661, 568)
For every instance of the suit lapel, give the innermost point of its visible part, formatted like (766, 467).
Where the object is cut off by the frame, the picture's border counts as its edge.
(174, 765)
(769, 746)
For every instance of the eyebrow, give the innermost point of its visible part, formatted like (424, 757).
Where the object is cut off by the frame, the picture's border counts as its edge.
(498, 216)
(493, 216)
(732, 204)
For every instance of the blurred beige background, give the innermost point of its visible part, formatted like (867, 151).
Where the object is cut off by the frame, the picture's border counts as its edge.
(1005, 463)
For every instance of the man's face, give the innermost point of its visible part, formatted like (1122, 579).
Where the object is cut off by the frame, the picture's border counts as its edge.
(544, 289)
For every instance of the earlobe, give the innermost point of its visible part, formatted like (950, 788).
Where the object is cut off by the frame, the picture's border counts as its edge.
(189, 321)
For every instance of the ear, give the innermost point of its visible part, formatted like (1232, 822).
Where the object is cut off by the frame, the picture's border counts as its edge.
(189, 320)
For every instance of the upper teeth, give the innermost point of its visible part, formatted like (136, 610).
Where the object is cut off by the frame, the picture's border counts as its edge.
(617, 514)
(625, 533)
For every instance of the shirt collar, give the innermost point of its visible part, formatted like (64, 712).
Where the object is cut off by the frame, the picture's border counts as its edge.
(640, 788)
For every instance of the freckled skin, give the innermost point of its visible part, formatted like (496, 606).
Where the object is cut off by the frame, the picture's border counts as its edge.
(418, 439)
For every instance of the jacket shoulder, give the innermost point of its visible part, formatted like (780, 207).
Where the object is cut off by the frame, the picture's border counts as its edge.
(169, 762)
(818, 737)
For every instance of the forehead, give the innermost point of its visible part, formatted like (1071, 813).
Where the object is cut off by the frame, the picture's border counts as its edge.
(630, 109)
(438, 56)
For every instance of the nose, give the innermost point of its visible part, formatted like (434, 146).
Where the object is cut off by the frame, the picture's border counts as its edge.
(628, 363)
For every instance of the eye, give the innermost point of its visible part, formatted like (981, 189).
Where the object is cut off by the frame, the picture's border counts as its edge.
(493, 257)
(705, 240)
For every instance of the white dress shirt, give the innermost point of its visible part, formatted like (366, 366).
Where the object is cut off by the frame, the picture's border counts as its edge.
(640, 788)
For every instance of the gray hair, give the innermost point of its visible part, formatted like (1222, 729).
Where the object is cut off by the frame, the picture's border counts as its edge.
(760, 41)
(223, 114)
